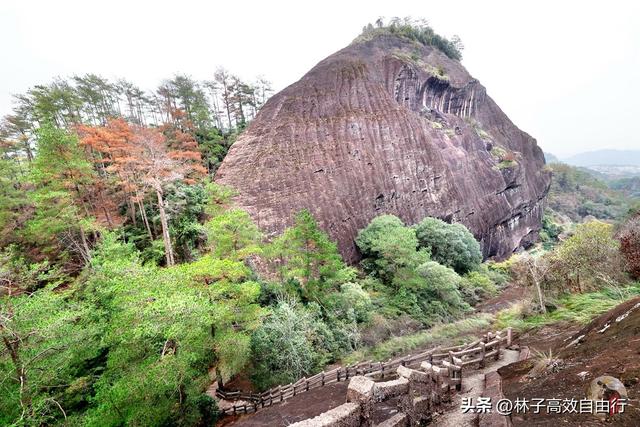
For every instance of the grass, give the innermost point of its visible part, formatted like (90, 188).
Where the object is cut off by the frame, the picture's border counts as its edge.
(575, 308)
(506, 164)
(457, 332)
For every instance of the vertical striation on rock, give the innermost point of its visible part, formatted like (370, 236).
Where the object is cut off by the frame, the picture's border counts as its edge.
(389, 126)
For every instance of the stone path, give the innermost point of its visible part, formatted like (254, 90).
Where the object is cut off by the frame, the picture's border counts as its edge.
(472, 387)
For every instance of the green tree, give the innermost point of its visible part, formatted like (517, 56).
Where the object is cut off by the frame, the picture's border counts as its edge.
(589, 259)
(283, 346)
(62, 178)
(439, 295)
(450, 244)
(306, 254)
(47, 339)
(390, 250)
(164, 329)
(233, 235)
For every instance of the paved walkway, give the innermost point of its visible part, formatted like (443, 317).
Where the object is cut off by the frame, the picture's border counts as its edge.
(472, 387)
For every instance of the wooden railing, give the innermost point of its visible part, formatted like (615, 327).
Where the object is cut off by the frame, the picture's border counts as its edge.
(448, 361)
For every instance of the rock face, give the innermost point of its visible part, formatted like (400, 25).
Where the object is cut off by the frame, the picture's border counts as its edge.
(389, 126)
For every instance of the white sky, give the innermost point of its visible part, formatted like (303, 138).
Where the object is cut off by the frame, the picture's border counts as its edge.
(564, 71)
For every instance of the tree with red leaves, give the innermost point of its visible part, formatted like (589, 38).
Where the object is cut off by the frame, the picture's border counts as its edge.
(143, 159)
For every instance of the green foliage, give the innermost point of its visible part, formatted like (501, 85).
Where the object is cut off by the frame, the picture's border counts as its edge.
(131, 335)
(550, 231)
(305, 254)
(439, 296)
(477, 286)
(20, 275)
(12, 200)
(49, 342)
(185, 205)
(589, 259)
(353, 297)
(507, 164)
(59, 173)
(390, 250)
(577, 193)
(283, 347)
(154, 253)
(416, 30)
(218, 198)
(233, 235)
(410, 283)
(580, 308)
(450, 244)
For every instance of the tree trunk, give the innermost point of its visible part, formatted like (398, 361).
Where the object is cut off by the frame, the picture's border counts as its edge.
(145, 219)
(534, 276)
(85, 246)
(168, 250)
(543, 307)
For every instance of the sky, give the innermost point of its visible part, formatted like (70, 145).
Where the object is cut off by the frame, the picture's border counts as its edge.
(566, 72)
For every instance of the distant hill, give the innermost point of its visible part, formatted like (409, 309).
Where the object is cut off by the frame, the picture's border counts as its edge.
(605, 157)
(550, 158)
(579, 192)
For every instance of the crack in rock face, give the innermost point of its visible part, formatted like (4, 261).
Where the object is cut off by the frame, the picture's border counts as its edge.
(388, 126)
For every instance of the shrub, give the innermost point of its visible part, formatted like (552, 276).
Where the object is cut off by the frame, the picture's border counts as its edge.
(589, 259)
(441, 291)
(283, 346)
(450, 244)
(476, 286)
(390, 250)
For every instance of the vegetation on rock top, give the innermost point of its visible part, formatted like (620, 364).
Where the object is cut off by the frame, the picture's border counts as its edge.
(416, 30)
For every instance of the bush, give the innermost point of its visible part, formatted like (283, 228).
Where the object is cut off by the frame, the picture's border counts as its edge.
(390, 250)
(440, 291)
(476, 286)
(450, 244)
(589, 259)
(283, 346)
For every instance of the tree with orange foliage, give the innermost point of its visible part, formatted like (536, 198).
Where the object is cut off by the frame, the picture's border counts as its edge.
(142, 159)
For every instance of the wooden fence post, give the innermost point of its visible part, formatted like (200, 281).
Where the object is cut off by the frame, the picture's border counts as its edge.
(280, 393)
(482, 353)
(322, 378)
(509, 337)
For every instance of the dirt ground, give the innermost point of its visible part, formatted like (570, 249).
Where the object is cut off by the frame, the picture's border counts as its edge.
(296, 409)
(505, 299)
(584, 354)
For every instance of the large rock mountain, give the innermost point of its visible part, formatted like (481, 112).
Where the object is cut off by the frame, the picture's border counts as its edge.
(388, 125)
